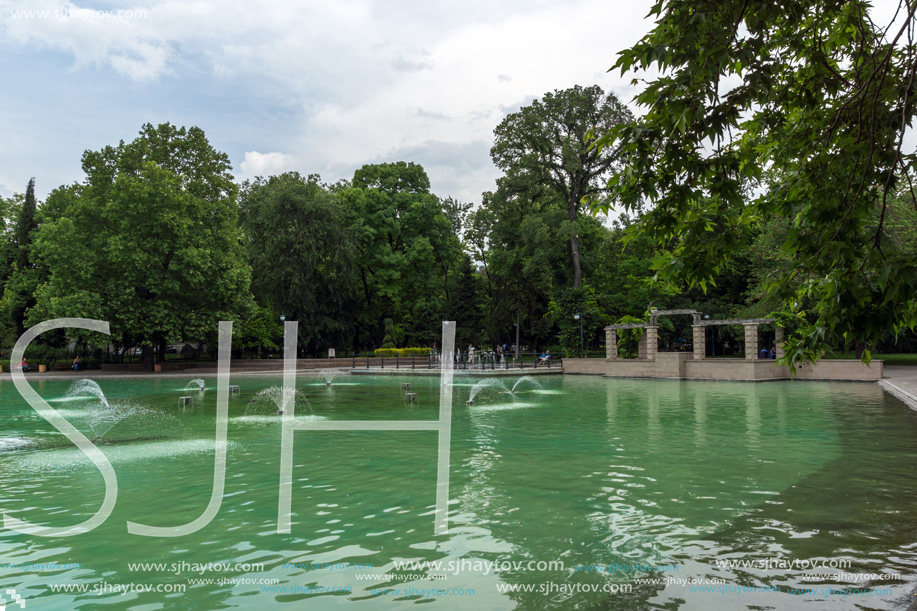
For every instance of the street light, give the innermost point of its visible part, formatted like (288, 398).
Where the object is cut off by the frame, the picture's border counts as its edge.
(283, 317)
(580, 319)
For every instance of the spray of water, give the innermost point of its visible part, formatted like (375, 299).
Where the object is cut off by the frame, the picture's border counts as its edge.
(528, 380)
(277, 400)
(107, 421)
(196, 384)
(491, 387)
(87, 387)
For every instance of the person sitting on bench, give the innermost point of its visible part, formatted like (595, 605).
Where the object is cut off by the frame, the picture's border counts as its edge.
(544, 358)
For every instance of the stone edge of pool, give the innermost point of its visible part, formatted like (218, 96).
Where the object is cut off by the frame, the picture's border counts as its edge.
(899, 381)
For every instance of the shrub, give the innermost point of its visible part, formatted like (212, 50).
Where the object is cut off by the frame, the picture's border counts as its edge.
(629, 339)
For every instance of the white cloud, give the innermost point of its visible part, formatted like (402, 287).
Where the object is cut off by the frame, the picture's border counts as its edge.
(332, 84)
(127, 39)
(266, 164)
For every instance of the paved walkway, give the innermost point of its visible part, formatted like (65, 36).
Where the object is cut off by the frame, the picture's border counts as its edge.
(127, 375)
(471, 371)
(901, 381)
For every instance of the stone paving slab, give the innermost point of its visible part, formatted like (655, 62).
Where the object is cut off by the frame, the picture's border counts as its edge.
(901, 382)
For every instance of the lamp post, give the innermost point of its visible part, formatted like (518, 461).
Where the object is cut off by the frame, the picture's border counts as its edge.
(283, 318)
(712, 338)
(580, 319)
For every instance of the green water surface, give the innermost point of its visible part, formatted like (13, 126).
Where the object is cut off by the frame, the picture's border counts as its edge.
(603, 485)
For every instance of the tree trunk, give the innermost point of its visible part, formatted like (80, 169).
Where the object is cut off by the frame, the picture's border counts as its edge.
(148, 357)
(860, 349)
(518, 320)
(574, 247)
(162, 349)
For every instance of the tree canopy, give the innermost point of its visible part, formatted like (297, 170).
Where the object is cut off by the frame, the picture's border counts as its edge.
(409, 253)
(788, 110)
(302, 255)
(754, 196)
(547, 143)
(151, 244)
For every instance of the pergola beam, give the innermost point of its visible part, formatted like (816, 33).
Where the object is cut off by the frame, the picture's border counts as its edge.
(736, 321)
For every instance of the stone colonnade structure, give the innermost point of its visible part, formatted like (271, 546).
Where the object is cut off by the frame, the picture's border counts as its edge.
(647, 348)
(687, 366)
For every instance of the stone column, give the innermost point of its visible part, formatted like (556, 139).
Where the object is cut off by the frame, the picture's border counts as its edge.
(778, 341)
(652, 342)
(751, 342)
(641, 345)
(611, 344)
(700, 342)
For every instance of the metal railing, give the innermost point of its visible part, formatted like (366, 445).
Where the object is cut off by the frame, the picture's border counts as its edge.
(462, 360)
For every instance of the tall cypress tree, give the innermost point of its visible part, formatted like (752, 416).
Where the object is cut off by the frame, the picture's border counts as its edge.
(25, 226)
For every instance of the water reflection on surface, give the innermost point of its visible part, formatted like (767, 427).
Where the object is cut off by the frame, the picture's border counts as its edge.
(584, 471)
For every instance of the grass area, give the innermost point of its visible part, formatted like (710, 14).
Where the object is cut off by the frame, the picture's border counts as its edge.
(890, 359)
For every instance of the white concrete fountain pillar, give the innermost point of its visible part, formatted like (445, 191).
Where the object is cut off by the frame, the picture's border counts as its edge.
(611, 344)
(652, 342)
(700, 342)
(778, 341)
(751, 342)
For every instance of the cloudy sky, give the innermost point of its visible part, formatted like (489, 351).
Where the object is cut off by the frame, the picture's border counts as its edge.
(318, 87)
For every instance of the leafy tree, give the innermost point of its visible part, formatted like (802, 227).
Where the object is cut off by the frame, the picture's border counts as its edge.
(813, 92)
(150, 243)
(624, 282)
(548, 143)
(466, 305)
(512, 231)
(629, 339)
(25, 226)
(260, 330)
(9, 212)
(21, 279)
(302, 255)
(57, 203)
(408, 252)
(456, 212)
(392, 334)
(562, 311)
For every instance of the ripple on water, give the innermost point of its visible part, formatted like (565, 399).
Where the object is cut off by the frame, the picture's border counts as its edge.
(494, 407)
(71, 413)
(332, 384)
(13, 443)
(71, 458)
(69, 399)
(275, 419)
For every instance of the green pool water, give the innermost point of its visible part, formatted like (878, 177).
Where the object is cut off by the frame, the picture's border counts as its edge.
(586, 493)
